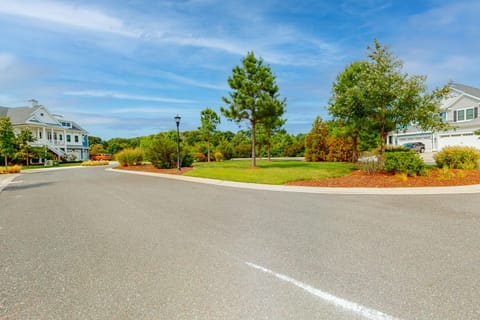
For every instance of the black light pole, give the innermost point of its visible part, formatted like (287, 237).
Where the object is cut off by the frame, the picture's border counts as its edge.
(177, 120)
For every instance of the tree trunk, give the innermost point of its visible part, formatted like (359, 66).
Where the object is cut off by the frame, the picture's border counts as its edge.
(6, 163)
(383, 136)
(268, 150)
(254, 161)
(208, 150)
(355, 148)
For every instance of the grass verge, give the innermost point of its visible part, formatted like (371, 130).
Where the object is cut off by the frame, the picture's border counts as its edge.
(270, 172)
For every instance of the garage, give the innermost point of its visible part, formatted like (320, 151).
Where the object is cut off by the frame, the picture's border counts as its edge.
(458, 139)
(425, 138)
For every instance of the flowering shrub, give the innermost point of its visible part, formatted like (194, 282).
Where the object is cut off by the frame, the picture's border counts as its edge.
(11, 169)
(94, 163)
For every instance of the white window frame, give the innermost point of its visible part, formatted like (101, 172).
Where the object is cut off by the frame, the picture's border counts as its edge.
(464, 113)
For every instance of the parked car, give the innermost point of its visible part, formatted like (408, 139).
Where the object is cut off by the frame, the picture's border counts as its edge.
(417, 146)
(101, 156)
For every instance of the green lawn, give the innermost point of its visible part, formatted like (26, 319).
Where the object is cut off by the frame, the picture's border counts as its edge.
(270, 172)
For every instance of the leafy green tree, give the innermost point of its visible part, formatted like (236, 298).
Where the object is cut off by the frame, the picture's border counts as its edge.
(226, 148)
(348, 104)
(377, 95)
(255, 96)
(25, 149)
(268, 128)
(210, 121)
(8, 141)
(115, 145)
(97, 148)
(94, 140)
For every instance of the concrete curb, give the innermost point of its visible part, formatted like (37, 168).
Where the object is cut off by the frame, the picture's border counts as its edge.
(316, 190)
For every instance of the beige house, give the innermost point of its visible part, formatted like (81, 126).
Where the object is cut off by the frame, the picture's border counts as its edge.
(460, 109)
(60, 137)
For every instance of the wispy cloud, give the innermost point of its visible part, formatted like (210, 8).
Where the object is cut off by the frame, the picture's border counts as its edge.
(191, 81)
(68, 15)
(124, 96)
(183, 31)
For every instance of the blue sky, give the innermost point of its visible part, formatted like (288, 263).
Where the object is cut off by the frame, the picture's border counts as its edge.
(126, 68)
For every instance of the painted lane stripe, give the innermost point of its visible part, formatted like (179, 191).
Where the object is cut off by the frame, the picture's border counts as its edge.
(339, 302)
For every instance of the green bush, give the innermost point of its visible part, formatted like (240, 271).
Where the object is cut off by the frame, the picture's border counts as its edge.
(407, 162)
(129, 157)
(458, 158)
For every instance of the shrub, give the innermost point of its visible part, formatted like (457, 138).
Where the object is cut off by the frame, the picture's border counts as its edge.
(218, 156)
(407, 162)
(11, 169)
(458, 158)
(94, 163)
(199, 157)
(130, 157)
(372, 165)
(161, 151)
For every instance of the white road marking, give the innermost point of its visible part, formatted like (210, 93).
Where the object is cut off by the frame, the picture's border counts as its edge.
(339, 302)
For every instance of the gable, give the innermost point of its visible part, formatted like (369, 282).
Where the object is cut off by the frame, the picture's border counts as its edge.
(465, 102)
(41, 115)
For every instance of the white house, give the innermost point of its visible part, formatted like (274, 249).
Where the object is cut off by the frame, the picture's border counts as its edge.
(460, 109)
(60, 137)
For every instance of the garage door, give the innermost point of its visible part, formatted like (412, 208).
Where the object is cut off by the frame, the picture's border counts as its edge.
(426, 139)
(458, 139)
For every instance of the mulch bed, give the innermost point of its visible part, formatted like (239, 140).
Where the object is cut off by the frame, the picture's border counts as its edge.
(359, 179)
(436, 178)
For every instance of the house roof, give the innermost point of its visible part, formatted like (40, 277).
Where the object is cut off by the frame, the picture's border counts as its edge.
(17, 115)
(475, 92)
(22, 115)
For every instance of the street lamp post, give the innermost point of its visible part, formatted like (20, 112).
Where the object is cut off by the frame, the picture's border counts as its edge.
(177, 121)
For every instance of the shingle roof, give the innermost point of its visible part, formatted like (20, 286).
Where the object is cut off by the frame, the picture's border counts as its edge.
(466, 89)
(17, 115)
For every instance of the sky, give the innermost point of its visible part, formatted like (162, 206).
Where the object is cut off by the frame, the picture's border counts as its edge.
(126, 68)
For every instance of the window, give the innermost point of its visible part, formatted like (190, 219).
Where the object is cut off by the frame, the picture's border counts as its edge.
(76, 139)
(469, 114)
(443, 116)
(68, 138)
(465, 114)
(60, 137)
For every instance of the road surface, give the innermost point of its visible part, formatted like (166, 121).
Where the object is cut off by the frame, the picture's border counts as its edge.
(89, 244)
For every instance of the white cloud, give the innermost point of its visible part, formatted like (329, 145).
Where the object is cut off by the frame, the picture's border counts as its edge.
(119, 95)
(67, 15)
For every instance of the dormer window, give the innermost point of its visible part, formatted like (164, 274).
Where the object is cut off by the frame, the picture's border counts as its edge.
(66, 124)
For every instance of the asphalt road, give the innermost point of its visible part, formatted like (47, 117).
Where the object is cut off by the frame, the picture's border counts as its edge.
(89, 244)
